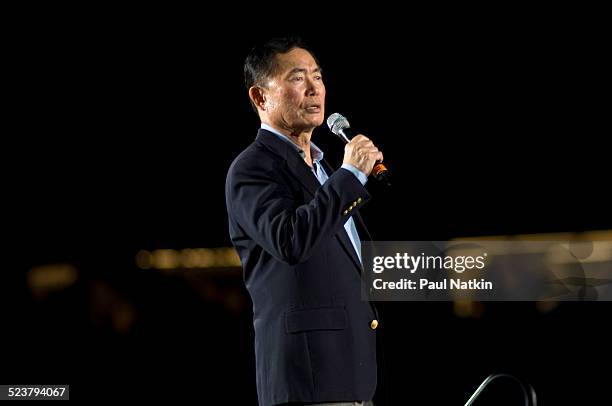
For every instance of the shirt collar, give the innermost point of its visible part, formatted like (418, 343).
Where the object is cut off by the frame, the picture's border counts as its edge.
(315, 152)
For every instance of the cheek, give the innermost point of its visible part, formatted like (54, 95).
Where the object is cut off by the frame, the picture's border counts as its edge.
(292, 99)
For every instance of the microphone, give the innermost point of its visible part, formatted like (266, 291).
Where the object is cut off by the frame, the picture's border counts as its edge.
(339, 125)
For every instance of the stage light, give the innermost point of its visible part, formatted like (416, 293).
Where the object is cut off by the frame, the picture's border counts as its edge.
(188, 258)
(45, 279)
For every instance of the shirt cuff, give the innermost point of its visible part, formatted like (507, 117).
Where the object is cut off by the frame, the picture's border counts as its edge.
(360, 175)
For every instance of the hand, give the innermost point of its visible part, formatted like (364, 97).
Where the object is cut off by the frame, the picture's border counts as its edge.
(362, 154)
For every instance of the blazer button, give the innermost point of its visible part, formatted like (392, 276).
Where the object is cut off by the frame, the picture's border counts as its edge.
(374, 324)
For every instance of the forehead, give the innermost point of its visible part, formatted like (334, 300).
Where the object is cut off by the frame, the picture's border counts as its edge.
(296, 58)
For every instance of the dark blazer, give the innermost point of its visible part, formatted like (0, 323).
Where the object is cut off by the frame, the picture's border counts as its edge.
(313, 335)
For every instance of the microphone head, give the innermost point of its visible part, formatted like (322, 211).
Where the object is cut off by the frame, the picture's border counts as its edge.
(337, 122)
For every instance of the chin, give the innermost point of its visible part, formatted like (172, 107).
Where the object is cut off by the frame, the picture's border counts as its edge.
(318, 120)
(311, 122)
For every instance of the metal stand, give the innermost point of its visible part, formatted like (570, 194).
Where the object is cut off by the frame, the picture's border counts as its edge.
(528, 392)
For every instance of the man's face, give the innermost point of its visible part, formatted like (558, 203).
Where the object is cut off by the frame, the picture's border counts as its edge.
(295, 95)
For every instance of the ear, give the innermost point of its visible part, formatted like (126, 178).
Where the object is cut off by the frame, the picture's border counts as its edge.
(258, 97)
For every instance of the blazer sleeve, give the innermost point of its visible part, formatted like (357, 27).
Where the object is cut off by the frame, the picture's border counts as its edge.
(264, 207)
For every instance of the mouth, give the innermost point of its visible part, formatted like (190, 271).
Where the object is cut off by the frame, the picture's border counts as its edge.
(313, 108)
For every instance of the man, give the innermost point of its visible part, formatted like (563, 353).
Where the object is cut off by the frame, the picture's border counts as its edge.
(296, 226)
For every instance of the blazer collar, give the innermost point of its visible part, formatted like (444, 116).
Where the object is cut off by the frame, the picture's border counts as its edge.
(296, 164)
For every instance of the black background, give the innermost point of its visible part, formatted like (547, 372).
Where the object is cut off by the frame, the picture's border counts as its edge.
(123, 125)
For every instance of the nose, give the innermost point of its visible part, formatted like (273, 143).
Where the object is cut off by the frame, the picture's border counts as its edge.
(313, 88)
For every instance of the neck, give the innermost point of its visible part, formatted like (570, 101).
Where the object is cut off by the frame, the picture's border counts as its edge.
(301, 138)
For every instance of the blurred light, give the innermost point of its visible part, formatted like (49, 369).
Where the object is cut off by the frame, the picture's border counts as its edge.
(165, 259)
(546, 306)
(581, 244)
(230, 257)
(50, 278)
(596, 235)
(602, 252)
(584, 252)
(468, 308)
(144, 259)
(188, 258)
(207, 258)
(110, 309)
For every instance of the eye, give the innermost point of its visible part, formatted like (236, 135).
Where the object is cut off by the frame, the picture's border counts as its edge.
(318, 77)
(297, 78)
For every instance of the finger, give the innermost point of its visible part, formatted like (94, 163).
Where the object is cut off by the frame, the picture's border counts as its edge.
(365, 144)
(361, 138)
(370, 150)
(358, 138)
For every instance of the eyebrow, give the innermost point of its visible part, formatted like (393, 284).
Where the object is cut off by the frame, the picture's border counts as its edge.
(302, 70)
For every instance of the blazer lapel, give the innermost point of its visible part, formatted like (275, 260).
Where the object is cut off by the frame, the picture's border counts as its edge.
(298, 167)
(295, 163)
